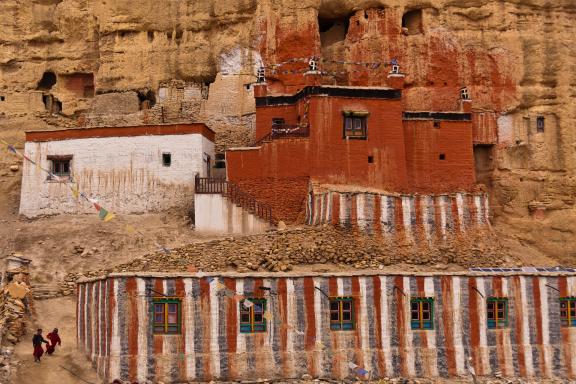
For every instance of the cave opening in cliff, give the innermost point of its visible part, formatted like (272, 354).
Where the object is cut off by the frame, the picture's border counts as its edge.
(147, 99)
(412, 21)
(332, 30)
(47, 81)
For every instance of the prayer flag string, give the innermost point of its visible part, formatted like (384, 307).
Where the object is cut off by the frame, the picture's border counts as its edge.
(103, 213)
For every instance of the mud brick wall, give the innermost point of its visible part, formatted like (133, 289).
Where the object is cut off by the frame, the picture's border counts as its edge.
(115, 327)
(286, 196)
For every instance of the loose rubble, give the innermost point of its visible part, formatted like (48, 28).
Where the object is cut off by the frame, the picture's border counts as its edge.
(280, 251)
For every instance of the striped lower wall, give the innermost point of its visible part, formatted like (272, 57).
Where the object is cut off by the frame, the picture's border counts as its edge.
(413, 216)
(114, 328)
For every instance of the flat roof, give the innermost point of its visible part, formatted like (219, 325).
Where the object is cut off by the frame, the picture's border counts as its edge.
(273, 275)
(139, 130)
(334, 91)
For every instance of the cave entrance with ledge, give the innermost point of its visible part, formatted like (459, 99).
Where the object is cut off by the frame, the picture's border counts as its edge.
(47, 81)
(412, 22)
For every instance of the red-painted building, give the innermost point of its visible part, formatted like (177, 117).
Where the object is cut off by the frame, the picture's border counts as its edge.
(357, 136)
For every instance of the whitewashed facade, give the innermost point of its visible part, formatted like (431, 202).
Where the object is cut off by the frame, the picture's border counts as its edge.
(126, 169)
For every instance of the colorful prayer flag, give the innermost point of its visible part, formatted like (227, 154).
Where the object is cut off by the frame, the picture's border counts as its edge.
(109, 216)
(351, 365)
(247, 303)
(220, 286)
(268, 315)
(361, 371)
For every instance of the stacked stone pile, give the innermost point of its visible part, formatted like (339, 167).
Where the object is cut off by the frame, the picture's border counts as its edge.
(284, 250)
(13, 308)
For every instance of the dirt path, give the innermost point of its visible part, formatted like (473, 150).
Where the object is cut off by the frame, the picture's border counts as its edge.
(60, 313)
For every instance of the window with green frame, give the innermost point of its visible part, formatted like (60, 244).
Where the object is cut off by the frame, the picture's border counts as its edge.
(341, 313)
(167, 315)
(252, 315)
(497, 312)
(422, 313)
(568, 311)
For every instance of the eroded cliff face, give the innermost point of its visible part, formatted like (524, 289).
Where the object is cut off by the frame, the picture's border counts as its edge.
(195, 59)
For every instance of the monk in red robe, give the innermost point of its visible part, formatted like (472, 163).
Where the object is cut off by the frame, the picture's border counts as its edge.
(37, 341)
(54, 339)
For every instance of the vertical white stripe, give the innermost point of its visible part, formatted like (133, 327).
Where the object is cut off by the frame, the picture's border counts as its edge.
(190, 328)
(526, 347)
(316, 209)
(483, 323)
(425, 202)
(408, 337)
(318, 327)
(486, 208)
(406, 216)
(342, 216)
(508, 367)
(545, 326)
(460, 206)
(431, 335)
(340, 286)
(214, 321)
(363, 318)
(478, 204)
(384, 214)
(79, 311)
(361, 211)
(443, 221)
(309, 212)
(457, 329)
(329, 207)
(86, 341)
(142, 329)
(100, 319)
(385, 326)
(291, 318)
(240, 337)
(115, 339)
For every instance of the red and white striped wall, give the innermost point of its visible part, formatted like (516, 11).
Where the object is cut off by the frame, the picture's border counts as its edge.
(413, 216)
(114, 327)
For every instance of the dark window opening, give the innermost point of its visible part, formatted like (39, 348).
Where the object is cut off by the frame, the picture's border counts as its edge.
(247, 87)
(167, 316)
(370, 159)
(442, 156)
(422, 313)
(150, 36)
(166, 159)
(169, 35)
(464, 94)
(568, 311)
(60, 165)
(412, 21)
(47, 81)
(220, 156)
(540, 124)
(178, 35)
(341, 313)
(2, 98)
(497, 312)
(436, 124)
(252, 319)
(355, 127)
(278, 122)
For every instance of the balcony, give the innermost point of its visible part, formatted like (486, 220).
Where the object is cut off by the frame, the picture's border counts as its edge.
(283, 131)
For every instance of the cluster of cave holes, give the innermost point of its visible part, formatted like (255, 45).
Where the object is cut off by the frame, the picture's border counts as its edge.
(334, 30)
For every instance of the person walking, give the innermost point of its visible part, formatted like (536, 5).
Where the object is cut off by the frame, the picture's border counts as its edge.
(54, 339)
(37, 341)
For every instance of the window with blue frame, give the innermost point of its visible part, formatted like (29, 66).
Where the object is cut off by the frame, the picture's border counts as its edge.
(252, 315)
(422, 313)
(568, 311)
(341, 313)
(497, 312)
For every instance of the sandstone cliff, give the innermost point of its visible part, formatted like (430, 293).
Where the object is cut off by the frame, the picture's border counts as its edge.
(115, 62)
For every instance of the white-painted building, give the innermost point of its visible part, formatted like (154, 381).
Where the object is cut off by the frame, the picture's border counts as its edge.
(126, 169)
